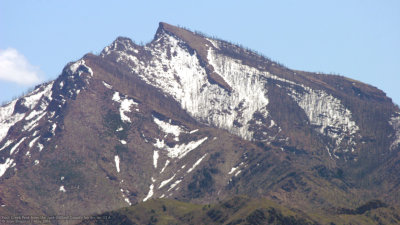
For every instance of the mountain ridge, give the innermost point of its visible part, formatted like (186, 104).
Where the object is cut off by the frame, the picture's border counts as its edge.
(194, 118)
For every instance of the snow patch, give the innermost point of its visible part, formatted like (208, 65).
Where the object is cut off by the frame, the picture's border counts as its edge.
(233, 170)
(165, 182)
(126, 199)
(272, 124)
(116, 159)
(53, 128)
(36, 115)
(328, 115)
(116, 97)
(213, 42)
(40, 146)
(31, 100)
(155, 158)
(33, 142)
(107, 85)
(8, 142)
(5, 166)
(168, 128)
(33, 123)
(237, 173)
(179, 150)
(62, 189)
(165, 166)
(159, 144)
(8, 119)
(150, 193)
(174, 185)
(249, 95)
(33, 114)
(395, 123)
(193, 131)
(75, 66)
(126, 104)
(196, 163)
(16, 146)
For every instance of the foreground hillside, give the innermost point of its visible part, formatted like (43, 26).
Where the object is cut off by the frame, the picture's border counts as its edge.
(242, 210)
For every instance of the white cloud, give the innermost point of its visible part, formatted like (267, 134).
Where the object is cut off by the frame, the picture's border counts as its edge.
(14, 67)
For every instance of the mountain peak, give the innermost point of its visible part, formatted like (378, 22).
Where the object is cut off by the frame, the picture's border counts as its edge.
(199, 44)
(194, 118)
(162, 26)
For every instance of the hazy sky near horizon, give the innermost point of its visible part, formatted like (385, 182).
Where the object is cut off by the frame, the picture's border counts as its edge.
(359, 39)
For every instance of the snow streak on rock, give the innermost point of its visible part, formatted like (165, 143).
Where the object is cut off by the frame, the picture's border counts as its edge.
(5, 166)
(116, 159)
(150, 193)
(16, 146)
(33, 141)
(125, 107)
(8, 143)
(8, 119)
(36, 115)
(124, 197)
(179, 150)
(40, 146)
(165, 182)
(174, 185)
(196, 163)
(329, 116)
(193, 131)
(169, 128)
(395, 123)
(249, 94)
(233, 170)
(165, 166)
(182, 76)
(80, 66)
(62, 189)
(9, 116)
(107, 85)
(155, 158)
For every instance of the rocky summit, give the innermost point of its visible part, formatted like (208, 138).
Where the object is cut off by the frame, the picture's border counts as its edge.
(192, 120)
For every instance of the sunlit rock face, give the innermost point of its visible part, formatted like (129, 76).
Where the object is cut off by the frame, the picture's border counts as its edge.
(178, 71)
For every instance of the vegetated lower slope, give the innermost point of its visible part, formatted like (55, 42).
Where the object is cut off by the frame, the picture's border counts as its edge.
(241, 210)
(195, 119)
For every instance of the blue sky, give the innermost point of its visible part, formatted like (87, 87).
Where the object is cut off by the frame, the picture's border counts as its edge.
(357, 39)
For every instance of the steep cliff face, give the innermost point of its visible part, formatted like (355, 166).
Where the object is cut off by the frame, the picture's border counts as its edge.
(193, 118)
(177, 62)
